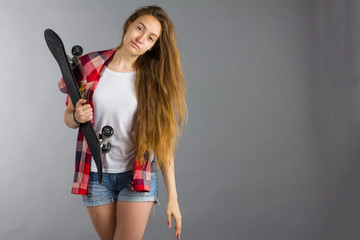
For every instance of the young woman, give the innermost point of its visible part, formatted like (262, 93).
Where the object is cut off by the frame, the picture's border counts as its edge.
(139, 90)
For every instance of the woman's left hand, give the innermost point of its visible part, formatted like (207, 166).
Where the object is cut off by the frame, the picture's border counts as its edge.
(172, 209)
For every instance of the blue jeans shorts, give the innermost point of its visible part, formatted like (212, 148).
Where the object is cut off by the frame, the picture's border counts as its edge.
(117, 187)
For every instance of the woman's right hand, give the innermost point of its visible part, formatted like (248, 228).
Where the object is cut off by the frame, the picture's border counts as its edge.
(83, 112)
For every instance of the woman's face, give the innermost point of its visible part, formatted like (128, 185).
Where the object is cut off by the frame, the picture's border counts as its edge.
(142, 34)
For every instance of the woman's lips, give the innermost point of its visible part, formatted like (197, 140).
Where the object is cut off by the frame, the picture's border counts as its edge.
(135, 45)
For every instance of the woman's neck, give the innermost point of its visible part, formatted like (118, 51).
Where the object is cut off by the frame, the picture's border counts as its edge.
(122, 61)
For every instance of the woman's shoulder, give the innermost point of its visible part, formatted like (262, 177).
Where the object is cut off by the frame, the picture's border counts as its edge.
(105, 54)
(96, 59)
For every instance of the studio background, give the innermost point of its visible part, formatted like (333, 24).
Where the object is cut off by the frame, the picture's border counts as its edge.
(271, 148)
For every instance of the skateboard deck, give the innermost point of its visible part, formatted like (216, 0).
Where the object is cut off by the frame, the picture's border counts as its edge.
(57, 49)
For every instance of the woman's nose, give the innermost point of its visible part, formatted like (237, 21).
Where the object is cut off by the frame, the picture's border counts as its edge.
(140, 38)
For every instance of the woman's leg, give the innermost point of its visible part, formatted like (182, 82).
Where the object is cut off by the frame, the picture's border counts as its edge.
(131, 219)
(104, 220)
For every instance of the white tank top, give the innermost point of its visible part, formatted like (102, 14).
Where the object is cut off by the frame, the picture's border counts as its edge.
(115, 104)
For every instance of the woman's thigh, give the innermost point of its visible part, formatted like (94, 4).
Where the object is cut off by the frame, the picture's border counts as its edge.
(131, 219)
(104, 220)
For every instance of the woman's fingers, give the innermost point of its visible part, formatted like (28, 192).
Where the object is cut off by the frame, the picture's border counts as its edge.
(177, 220)
(168, 216)
(177, 226)
(83, 112)
(80, 103)
(172, 209)
(84, 116)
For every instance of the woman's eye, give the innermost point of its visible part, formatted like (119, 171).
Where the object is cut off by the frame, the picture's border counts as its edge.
(151, 39)
(139, 28)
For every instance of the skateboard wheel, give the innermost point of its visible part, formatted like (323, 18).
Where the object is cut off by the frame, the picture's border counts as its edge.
(106, 148)
(77, 51)
(107, 131)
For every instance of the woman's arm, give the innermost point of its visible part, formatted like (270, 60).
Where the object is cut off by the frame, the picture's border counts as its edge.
(172, 208)
(68, 119)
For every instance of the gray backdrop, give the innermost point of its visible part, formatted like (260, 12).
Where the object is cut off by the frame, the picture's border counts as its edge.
(271, 149)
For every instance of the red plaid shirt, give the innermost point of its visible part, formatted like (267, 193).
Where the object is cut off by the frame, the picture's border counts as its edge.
(87, 74)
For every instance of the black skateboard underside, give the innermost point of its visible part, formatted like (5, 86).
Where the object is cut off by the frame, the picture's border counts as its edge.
(57, 49)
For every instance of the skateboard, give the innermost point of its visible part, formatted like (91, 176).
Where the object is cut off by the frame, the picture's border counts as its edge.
(66, 64)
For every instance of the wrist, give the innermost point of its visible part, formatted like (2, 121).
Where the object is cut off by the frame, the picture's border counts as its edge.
(172, 197)
(73, 116)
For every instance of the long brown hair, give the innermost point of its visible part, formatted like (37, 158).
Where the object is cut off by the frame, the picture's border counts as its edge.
(160, 91)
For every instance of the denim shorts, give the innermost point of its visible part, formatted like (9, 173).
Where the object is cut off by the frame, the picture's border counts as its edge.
(117, 187)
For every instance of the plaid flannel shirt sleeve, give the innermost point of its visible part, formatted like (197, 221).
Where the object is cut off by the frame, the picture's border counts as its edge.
(79, 76)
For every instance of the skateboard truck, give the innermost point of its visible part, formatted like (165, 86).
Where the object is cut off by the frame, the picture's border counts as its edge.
(76, 51)
(106, 133)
